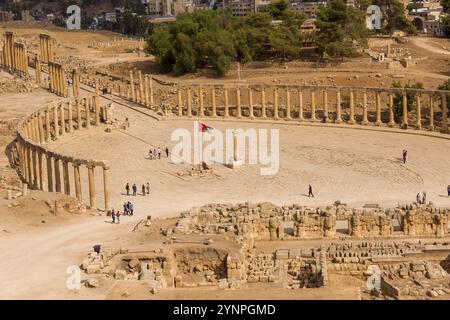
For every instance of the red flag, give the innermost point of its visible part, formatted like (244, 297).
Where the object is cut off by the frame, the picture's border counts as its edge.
(204, 127)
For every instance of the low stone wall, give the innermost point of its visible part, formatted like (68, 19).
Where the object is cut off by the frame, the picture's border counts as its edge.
(265, 221)
(46, 170)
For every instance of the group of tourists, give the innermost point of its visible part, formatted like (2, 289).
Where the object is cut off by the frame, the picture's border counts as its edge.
(128, 210)
(156, 153)
(423, 199)
(145, 188)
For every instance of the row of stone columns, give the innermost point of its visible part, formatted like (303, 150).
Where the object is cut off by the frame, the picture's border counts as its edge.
(48, 171)
(143, 92)
(58, 83)
(45, 48)
(185, 108)
(20, 61)
(54, 121)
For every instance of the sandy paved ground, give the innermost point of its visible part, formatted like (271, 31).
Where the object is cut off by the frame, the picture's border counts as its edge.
(354, 166)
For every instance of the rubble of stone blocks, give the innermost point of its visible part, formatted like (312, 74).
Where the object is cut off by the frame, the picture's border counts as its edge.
(200, 170)
(415, 279)
(96, 261)
(265, 221)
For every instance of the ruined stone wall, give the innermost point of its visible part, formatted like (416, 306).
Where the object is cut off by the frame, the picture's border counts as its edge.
(265, 221)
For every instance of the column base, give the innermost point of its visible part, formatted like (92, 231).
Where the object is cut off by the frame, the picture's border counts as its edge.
(235, 163)
(431, 128)
(365, 122)
(378, 123)
(338, 121)
(391, 124)
(418, 127)
(351, 122)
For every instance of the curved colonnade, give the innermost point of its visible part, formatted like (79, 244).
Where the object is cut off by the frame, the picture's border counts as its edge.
(46, 170)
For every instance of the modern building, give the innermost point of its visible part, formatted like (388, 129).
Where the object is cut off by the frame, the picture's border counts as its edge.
(309, 8)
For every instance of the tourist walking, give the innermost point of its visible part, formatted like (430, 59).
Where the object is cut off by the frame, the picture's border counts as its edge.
(424, 198)
(143, 190)
(130, 208)
(118, 216)
(167, 152)
(159, 153)
(405, 156)
(125, 208)
(310, 192)
(418, 200)
(148, 188)
(448, 191)
(113, 216)
(150, 154)
(134, 189)
(127, 188)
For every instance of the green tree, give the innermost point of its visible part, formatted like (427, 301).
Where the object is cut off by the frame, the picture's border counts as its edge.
(446, 86)
(410, 98)
(276, 8)
(340, 28)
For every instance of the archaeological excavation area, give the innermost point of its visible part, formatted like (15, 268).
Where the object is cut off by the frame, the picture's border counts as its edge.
(210, 230)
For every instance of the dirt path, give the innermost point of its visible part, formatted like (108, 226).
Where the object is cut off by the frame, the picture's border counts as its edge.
(429, 45)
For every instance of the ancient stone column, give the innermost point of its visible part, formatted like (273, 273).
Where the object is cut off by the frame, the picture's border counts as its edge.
(275, 103)
(180, 103)
(250, 103)
(96, 101)
(47, 126)
(92, 192)
(189, 103)
(313, 106)
(106, 187)
(66, 177)
(300, 105)
(200, 96)
(352, 109)
(41, 128)
(288, 104)
(444, 113)
(391, 110)
(405, 110)
(133, 93)
(77, 180)
(151, 91)
(378, 107)
(40, 170)
(38, 72)
(214, 106)
(325, 104)
(365, 121)
(418, 113)
(263, 103)
(70, 116)
(63, 119)
(56, 121)
(75, 80)
(56, 165)
(146, 91)
(225, 98)
(79, 119)
(238, 103)
(141, 87)
(431, 127)
(87, 103)
(35, 168)
(50, 187)
(338, 107)
(29, 165)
